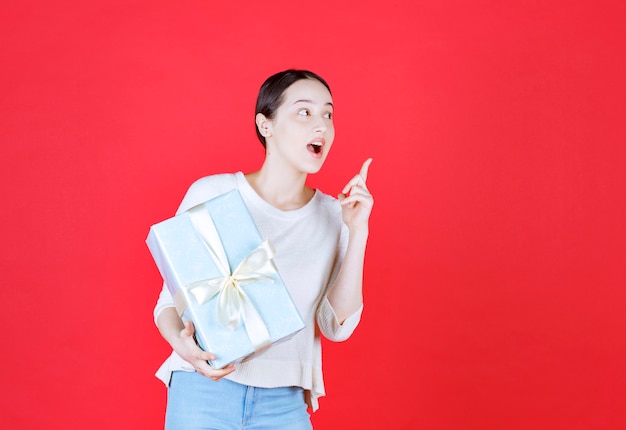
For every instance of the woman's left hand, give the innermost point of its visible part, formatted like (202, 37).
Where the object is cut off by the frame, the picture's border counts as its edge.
(356, 201)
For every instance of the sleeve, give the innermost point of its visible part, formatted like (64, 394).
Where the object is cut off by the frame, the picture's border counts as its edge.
(326, 318)
(165, 301)
(200, 191)
(329, 325)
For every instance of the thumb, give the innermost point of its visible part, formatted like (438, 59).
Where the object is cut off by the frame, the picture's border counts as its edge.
(189, 329)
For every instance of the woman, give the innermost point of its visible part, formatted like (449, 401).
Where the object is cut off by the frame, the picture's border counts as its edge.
(320, 243)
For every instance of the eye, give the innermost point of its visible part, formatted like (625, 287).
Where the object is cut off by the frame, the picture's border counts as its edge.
(328, 115)
(303, 112)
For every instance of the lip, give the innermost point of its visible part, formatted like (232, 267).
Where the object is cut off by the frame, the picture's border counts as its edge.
(319, 140)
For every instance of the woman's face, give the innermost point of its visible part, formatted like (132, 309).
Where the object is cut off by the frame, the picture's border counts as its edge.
(302, 131)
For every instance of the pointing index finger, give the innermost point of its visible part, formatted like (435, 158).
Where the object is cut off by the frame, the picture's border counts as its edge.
(365, 168)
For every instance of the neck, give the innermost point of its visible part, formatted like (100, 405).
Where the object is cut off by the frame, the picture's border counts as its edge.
(281, 187)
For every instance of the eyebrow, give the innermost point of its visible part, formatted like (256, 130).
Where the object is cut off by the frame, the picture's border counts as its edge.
(310, 101)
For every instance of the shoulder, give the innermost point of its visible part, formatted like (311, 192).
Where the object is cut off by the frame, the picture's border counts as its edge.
(328, 207)
(206, 188)
(329, 221)
(212, 182)
(327, 201)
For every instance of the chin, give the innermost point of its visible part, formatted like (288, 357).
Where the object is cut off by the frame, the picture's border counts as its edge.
(315, 168)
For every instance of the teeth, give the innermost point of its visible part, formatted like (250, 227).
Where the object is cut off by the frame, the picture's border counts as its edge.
(316, 147)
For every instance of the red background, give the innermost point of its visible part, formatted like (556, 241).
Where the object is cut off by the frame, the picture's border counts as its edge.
(495, 271)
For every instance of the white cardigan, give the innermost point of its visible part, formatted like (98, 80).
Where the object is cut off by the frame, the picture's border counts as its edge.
(310, 243)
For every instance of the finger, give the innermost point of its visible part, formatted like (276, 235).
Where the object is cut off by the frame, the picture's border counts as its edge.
(358, 179)
(354, 199)
(202, 359)
(356, 190)
(355, 181)
(347, 187)
(206, 370)
(224, 370)
(217, 374)
(365, 168)
(189, 329)
(205, 356)
(360, 188)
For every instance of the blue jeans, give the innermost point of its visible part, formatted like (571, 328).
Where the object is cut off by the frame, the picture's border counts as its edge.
(195, 402)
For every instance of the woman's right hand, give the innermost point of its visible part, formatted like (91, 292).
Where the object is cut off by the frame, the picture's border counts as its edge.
(185, 346)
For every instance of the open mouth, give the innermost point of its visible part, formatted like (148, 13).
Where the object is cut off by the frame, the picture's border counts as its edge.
(315, 147)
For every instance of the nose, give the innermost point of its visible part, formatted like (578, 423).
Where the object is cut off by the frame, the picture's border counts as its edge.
(320, 125)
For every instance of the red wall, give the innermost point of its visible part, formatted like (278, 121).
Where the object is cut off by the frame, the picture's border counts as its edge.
(495, 272)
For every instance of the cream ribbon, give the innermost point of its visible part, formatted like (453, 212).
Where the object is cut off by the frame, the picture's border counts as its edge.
(233, 304)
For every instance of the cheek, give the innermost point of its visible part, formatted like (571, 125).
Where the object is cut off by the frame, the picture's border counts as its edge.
(330, 139)
(293, 127)
(330, 133)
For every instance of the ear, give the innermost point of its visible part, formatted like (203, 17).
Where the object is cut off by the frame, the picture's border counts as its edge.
(264, 125)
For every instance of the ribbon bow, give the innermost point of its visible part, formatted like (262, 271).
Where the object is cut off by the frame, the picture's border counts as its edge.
(233, 304)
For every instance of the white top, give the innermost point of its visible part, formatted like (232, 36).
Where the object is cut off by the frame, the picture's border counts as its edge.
(310, 243)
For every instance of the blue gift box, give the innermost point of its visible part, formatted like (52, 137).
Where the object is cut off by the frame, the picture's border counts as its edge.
(223, 279)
